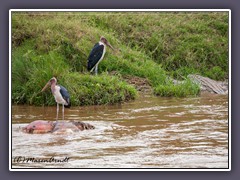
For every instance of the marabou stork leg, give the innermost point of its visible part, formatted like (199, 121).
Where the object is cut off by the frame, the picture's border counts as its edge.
(63, 111)
(96, 69)
(57, 111)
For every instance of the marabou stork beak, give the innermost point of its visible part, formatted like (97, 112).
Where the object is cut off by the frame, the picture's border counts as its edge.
(46, 86)
(109, 45)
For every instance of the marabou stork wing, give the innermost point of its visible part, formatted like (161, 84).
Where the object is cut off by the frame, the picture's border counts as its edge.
(65, 95)
(95, 55)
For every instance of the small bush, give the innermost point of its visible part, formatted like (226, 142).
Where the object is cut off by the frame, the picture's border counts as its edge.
(187, 88)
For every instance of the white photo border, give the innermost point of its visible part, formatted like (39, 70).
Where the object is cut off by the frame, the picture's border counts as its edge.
(120, 10)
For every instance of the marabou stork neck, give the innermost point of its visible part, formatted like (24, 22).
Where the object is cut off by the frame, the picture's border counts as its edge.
(97, 53)
(60, 94)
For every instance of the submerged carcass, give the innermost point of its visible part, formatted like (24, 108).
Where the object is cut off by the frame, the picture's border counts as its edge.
(41, 127)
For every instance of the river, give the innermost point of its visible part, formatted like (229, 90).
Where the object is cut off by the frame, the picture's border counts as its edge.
(149, 132)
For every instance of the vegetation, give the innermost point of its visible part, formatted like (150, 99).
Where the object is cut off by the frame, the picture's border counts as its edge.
(30, 72)
(148, 45)
(187, 88)
(193, 42)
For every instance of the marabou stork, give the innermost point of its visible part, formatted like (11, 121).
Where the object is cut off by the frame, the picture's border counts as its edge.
(60, 94)
(97, 54)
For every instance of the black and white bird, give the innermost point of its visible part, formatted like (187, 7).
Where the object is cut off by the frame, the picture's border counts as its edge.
(97, 53)
(60, 94)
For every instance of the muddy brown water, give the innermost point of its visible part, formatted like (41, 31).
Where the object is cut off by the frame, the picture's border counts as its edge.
(150, 132)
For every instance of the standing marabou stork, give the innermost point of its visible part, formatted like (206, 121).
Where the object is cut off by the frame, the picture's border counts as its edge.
(97, 54)
(60, 94)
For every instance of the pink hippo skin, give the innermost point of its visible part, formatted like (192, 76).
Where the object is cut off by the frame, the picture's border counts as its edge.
(40, 127)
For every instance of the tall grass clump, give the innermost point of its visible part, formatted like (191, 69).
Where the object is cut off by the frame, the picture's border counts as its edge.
(101, 89)
(31, 70)
(185, 89)
(85, 89)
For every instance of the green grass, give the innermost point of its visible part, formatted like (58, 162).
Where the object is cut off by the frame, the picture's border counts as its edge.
(30, 72)
(86, 89)
(197, 40)
(187, 88)
(148, 45)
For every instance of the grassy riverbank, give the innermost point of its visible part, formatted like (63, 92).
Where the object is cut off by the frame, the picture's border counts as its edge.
(148, 45)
